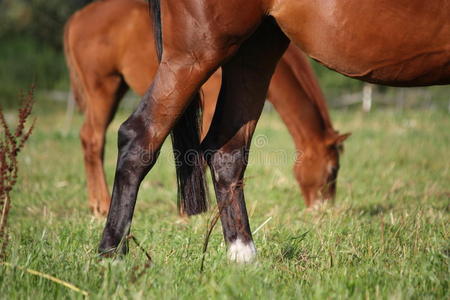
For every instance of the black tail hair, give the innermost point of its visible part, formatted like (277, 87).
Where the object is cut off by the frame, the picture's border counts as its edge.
(192, 193)
(155, 11)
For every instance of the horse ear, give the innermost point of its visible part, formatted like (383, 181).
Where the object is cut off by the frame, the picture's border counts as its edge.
(338, 139)
(342, 137)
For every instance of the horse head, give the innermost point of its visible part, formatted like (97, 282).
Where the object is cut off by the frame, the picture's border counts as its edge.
(318, 169)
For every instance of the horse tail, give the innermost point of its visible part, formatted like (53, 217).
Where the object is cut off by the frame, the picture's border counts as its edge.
(155, 11)
(75, 74)
(192, 192)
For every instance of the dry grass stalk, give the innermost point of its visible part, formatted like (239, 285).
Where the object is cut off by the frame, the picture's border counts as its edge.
(213, 221)
(148, 263)
(11, 142)
(48, 277)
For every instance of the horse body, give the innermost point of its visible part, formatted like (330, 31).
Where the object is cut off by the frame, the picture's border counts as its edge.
(401, 43)
(118, 52)
(381, 41)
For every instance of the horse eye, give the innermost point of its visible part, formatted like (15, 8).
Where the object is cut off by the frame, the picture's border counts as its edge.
(334, 170)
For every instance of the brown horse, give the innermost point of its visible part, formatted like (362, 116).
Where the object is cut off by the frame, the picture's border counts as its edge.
(109, 48)
(401, 42)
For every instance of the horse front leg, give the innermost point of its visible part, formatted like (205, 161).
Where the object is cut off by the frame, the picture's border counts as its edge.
(244, 87)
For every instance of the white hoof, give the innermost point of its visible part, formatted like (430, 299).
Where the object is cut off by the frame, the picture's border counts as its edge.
(241, 252)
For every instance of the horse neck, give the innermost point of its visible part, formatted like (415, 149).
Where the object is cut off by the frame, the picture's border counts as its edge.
(303, 72)
(297, 97)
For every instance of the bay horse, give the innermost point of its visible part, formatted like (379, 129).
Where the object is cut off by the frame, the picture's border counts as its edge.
(392, 42)
(110, 48)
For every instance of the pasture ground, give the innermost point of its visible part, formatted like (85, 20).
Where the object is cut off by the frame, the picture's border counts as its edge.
(386, 237)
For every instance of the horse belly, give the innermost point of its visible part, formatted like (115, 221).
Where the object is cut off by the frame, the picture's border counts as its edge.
(376, 41)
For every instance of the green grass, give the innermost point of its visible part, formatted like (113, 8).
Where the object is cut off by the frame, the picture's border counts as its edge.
(387, 236)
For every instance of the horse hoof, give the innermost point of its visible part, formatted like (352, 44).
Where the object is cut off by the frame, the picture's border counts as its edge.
(241, 252)
(102, 212)
(113, 252)
(99, 212)
(110, 253)
(318, 205)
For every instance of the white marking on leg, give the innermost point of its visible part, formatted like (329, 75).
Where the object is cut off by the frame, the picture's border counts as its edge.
(241, 252)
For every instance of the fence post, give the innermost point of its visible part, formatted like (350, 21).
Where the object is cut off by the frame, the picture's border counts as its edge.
(367, 97)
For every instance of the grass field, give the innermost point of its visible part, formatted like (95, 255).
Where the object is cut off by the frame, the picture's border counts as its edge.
(386, 237)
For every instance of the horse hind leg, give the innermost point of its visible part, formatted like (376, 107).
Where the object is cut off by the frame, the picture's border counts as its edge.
(244, 86)
(102, 97)
(141, 136)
